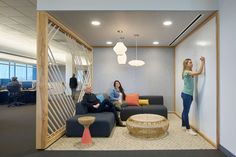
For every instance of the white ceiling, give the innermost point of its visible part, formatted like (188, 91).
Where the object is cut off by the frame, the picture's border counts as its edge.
(18, 26)
(146, 23)
(18, 29)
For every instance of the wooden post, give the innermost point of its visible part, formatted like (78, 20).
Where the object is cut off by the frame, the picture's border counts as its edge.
(42, 81)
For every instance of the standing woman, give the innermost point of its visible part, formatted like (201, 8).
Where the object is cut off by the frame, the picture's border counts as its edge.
(117, 95)
(187, 93)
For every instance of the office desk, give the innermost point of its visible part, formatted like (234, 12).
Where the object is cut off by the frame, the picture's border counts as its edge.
(3, 96)
(28, 96)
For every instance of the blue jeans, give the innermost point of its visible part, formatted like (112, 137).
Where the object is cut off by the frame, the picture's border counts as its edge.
(106, 106)
(187, 101)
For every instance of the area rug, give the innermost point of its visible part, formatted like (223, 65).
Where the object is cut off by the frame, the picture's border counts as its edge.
(120, 139)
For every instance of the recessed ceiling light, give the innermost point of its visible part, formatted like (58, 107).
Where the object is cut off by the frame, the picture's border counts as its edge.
(95, 23)
(167, 23)
(155, 42)
(109, 42)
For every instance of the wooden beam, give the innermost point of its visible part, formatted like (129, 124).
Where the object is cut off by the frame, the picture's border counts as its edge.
(135, 46)
(217, 83)
(42, 81)
(174, 80)
(69, 32)
(57, 135)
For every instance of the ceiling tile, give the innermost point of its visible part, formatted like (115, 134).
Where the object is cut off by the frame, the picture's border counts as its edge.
(6, 20)
(2, 4)
(28, 11)
(34, 2)
(16, 3)
(23, 20)
(8, 11)
(19, 27)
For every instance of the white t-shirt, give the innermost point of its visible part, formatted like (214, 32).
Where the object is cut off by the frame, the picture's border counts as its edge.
(120, 98)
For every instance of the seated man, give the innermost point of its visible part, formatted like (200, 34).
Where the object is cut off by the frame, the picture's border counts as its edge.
(94, 106)
(14, 89)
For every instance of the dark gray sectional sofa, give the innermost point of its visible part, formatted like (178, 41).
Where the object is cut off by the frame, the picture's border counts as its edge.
(105, 121)
(102, 127)
(155, 106)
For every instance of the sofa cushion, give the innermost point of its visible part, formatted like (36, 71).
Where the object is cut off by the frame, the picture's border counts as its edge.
(155, 109)
(102, 126)
(81, 109)
(132, 99)
(153, 100)
(128, 111)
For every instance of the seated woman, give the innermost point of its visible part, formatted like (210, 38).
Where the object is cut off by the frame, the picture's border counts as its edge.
(117, 95)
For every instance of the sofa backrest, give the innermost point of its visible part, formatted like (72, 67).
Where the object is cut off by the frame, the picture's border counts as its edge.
(81, 109)
(153, 100)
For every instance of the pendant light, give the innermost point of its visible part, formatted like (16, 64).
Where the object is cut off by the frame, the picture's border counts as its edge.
(136, 62)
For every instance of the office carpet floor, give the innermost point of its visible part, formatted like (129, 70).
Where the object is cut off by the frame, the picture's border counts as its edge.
(17, 139)
(120, 139)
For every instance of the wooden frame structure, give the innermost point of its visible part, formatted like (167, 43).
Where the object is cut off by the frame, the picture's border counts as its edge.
(43, 140)
(43, 18)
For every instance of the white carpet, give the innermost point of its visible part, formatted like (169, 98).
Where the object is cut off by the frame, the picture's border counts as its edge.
(120, 139)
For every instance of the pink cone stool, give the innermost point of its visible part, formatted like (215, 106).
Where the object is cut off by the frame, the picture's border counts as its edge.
(86, 121)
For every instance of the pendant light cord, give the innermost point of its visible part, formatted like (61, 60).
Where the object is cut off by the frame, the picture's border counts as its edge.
(136, 36)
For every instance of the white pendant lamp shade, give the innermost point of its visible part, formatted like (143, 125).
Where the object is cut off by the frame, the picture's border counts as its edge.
(121, 59)
(136, 63)
(120, 48)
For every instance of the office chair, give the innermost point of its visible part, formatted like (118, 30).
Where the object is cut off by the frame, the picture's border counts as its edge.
(14, 93)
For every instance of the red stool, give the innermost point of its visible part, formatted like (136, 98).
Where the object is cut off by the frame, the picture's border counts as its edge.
(86, 121)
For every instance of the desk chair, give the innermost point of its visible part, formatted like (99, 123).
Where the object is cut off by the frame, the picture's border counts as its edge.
(14, 93)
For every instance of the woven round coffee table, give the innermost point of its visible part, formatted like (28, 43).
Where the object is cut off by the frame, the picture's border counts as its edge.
(147, 125)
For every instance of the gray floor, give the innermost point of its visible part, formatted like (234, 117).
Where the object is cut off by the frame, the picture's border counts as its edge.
(17, 138)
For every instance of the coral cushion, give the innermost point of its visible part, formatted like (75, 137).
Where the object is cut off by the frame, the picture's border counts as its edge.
(132, 99)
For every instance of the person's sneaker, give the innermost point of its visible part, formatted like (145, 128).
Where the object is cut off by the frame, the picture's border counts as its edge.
(183, 128)
(191, 132)
(120, 123)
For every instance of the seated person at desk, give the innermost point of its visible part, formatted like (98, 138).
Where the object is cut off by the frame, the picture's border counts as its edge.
(14, 89)
(95, 106)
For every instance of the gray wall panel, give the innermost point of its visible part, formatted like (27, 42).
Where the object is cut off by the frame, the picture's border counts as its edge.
(154, 78)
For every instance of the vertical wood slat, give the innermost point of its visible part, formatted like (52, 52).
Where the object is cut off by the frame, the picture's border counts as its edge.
(43, 139)
(42, 81)
(217, 82)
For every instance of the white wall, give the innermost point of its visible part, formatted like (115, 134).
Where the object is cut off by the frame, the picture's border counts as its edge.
(203, 110)
(154, 78)
(227, 75)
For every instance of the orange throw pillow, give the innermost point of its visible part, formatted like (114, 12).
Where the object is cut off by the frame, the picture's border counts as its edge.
(132, 99)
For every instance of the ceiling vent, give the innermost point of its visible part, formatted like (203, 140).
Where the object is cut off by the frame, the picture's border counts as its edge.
(191, 24)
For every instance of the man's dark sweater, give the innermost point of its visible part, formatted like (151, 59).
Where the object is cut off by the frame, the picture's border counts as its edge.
(73, 82)
(90, 99)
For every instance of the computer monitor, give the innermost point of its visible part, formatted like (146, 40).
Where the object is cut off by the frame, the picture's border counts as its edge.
(26, 84)
(4, 82)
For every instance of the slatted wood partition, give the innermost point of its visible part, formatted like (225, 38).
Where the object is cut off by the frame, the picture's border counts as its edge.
(54, 103)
